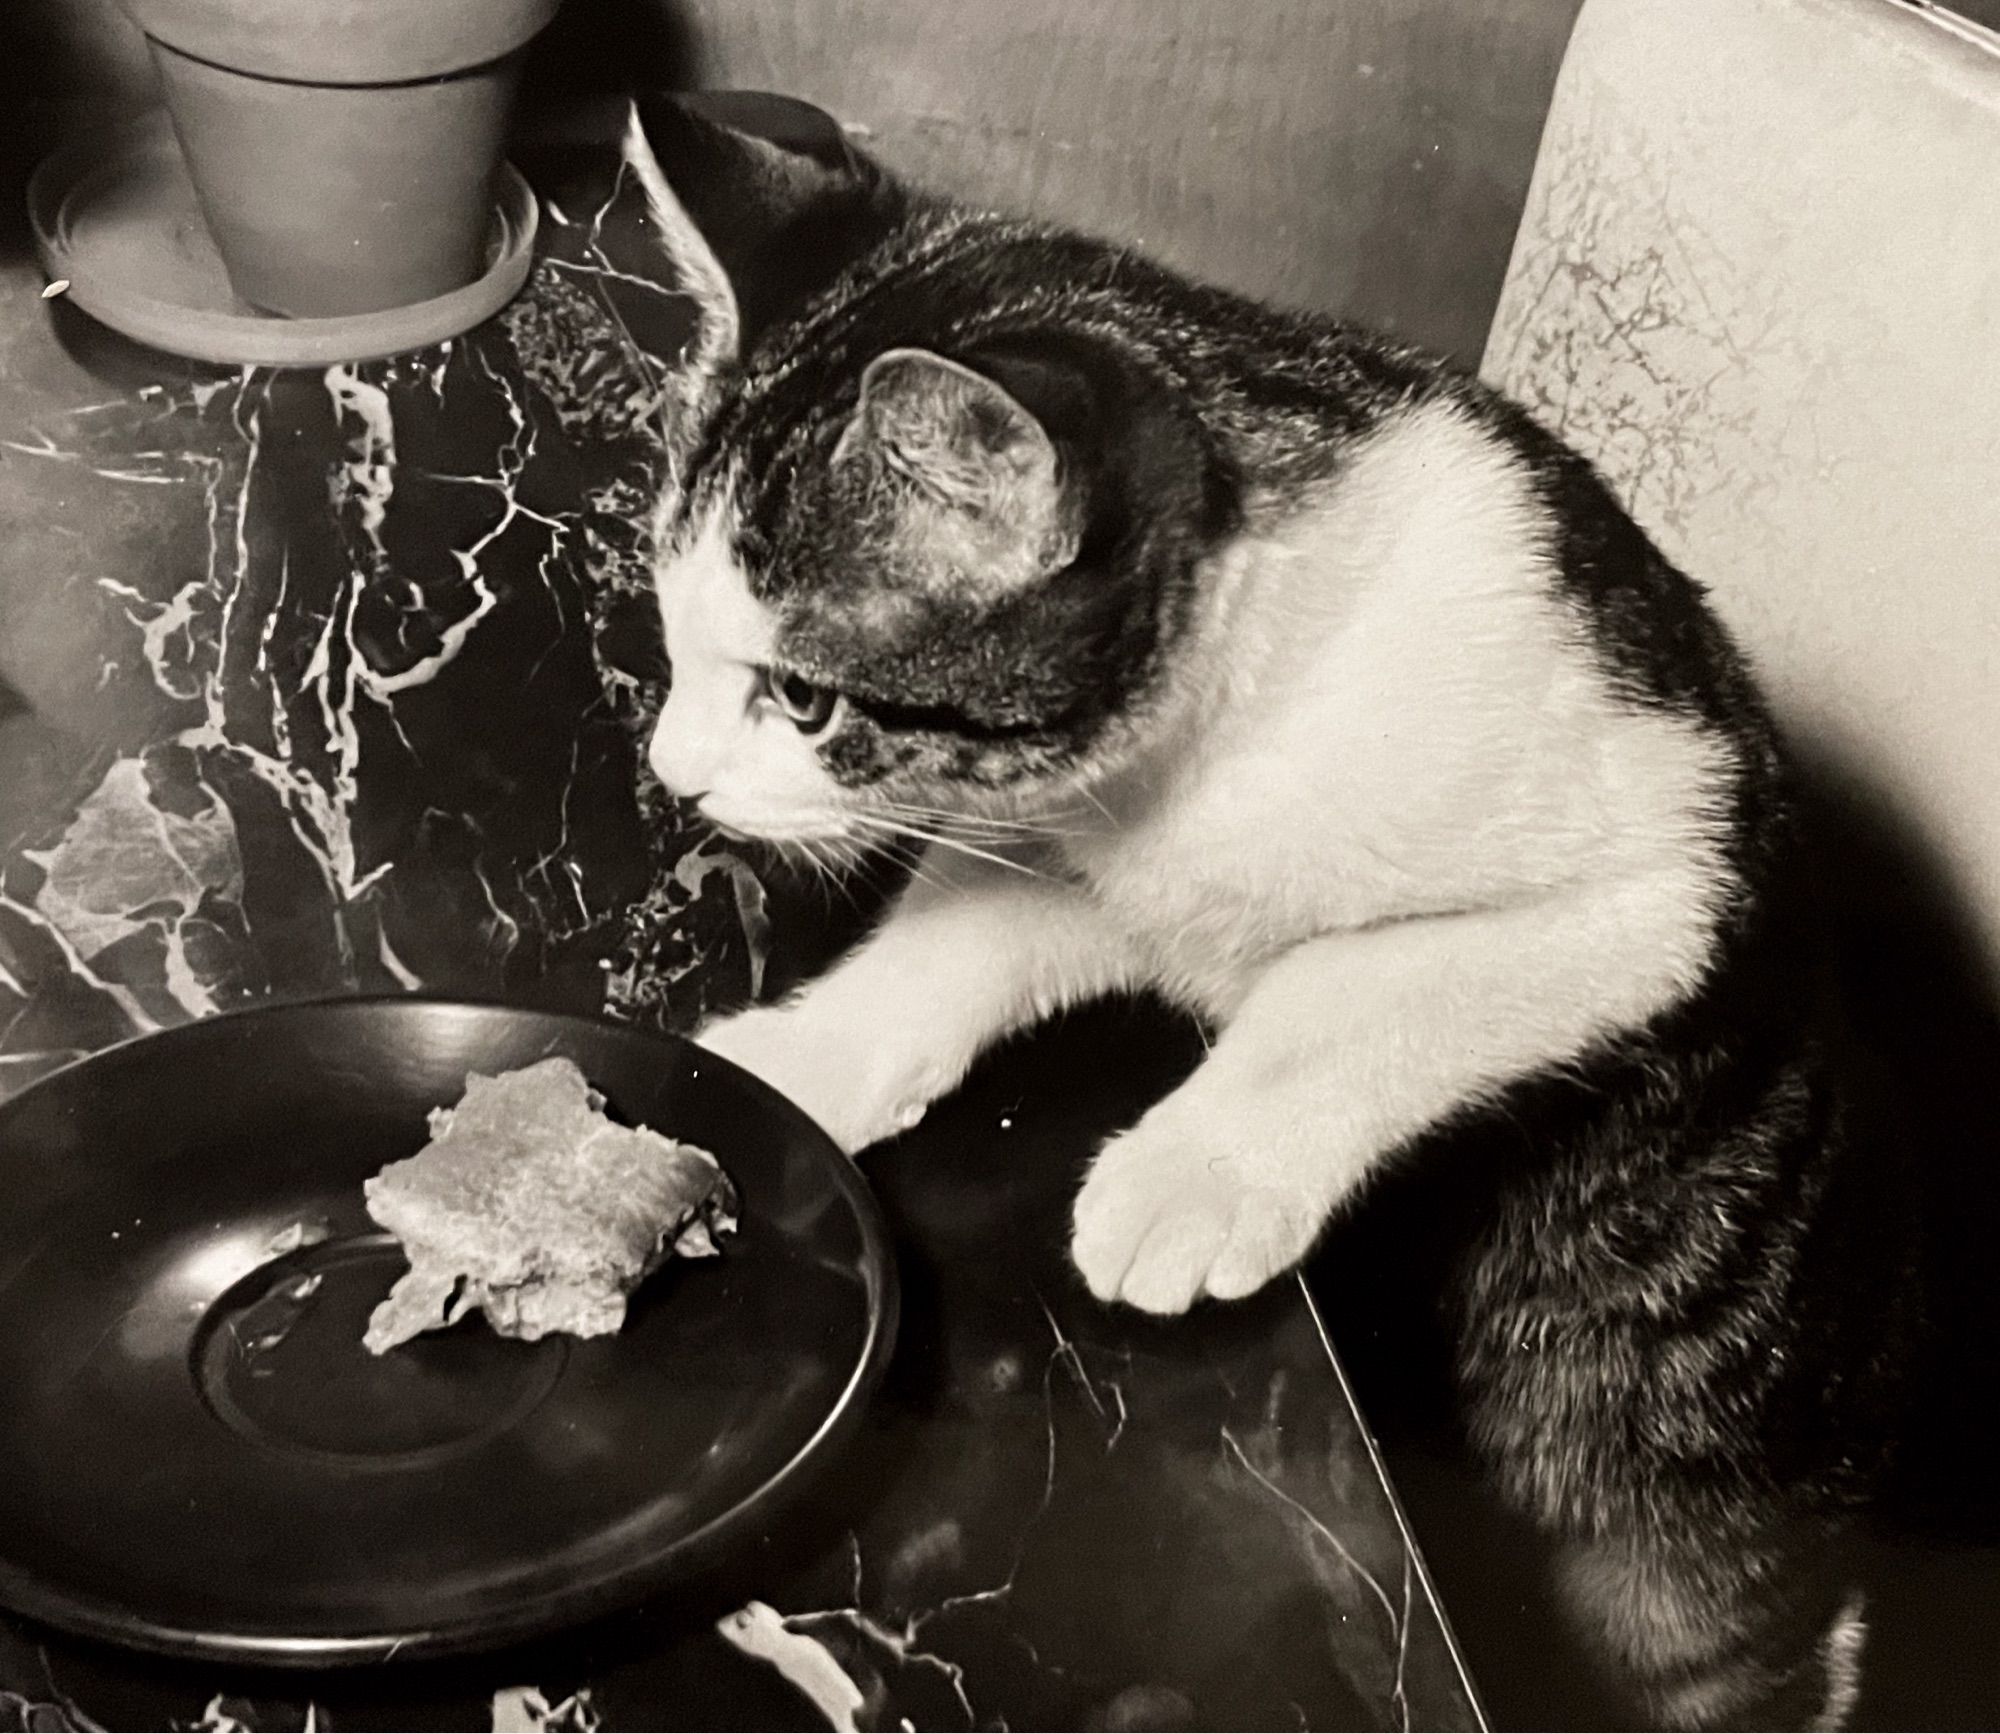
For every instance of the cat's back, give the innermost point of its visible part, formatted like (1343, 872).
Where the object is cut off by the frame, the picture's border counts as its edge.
(1345, 453)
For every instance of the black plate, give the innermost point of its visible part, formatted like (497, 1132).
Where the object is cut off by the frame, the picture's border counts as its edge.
(198, 1456)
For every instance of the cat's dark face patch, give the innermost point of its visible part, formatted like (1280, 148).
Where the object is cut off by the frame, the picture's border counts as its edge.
(761, 730)
(984, 542)
(971, 639)
(850, 665)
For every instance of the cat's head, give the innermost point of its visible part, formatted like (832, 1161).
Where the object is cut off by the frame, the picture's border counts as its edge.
(929, 533)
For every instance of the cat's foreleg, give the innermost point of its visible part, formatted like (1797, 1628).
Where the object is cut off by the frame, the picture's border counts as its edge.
(1351, 1044)
(970, 952)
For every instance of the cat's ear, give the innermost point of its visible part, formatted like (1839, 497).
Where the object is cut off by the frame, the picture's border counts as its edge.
(759, 202)
(985, 466)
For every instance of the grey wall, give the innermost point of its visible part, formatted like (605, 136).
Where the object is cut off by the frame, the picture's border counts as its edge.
(1368, 156)
(67, 48)
(1365, 156)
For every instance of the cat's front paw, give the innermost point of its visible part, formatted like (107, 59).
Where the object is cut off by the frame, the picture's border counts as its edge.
(849, 1080)
(1169, 1213)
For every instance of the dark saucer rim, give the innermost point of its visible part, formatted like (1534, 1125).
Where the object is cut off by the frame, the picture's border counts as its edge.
(615, 1590)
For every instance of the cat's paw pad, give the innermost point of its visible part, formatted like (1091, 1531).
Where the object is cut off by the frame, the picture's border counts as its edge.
(1166, 1218)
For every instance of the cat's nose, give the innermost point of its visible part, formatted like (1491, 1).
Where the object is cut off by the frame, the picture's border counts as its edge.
(686, 793)
(681, 769)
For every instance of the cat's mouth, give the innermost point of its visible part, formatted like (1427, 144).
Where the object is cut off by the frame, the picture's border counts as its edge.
(775, 836)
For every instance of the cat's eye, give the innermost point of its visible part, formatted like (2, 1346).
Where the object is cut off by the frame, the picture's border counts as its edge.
(809, 707)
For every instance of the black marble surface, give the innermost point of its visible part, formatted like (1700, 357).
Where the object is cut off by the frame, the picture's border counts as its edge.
(322, 682)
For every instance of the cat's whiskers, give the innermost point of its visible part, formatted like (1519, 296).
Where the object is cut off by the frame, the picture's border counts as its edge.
(837, 859)
(920, 809)
(905, 828)
(987, 826)
(1090, 795)
(803, 852)
(862, 860)
(910, 855)
(947, 815)
(834, 861)
(893, 846)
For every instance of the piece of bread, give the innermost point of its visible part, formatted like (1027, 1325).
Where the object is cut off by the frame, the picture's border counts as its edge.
(531, 1205)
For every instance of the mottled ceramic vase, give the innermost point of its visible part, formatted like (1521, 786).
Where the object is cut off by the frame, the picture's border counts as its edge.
(344, 151)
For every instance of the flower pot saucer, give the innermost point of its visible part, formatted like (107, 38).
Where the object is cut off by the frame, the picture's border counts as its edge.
(116, 215)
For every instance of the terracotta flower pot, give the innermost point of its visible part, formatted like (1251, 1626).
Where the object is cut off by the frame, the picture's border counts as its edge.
(343, 150)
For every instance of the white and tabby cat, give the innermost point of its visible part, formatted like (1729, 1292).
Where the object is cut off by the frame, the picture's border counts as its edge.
(1289, 674)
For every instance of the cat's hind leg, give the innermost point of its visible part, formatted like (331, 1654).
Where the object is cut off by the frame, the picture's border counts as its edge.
(1723, 1635)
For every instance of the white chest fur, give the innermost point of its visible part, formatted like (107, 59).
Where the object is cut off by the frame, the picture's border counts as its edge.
(1394, 714)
